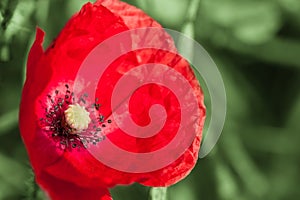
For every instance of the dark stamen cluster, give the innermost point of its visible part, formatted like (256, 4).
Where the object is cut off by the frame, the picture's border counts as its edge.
(55, 124)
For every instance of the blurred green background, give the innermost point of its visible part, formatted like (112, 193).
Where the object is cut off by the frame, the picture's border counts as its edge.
(256, 46)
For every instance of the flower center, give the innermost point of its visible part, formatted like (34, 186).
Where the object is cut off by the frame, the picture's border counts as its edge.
(72, 125)
(77, 117)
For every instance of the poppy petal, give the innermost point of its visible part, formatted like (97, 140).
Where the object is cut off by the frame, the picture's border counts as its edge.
(132, 16)
(57, 189)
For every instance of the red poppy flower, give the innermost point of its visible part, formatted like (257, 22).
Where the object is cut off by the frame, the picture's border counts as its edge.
(56, 129)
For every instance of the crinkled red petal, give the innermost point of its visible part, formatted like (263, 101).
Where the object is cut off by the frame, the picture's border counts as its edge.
(140, 102)
(58, 189)
(132, 16)
(37, 77)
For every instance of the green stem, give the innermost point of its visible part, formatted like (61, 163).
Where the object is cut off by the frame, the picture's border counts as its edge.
(32, 188)
(188, 27)
(193, 10)
(158, 193)
(35, 190)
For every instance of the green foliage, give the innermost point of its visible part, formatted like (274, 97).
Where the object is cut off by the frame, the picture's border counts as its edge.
(12, 176)
(256, 46)
(252, 22)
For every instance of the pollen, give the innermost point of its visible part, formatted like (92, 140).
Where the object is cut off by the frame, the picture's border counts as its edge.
(77, 117)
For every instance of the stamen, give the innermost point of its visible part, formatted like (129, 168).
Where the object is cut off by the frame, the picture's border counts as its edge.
(68, 123)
